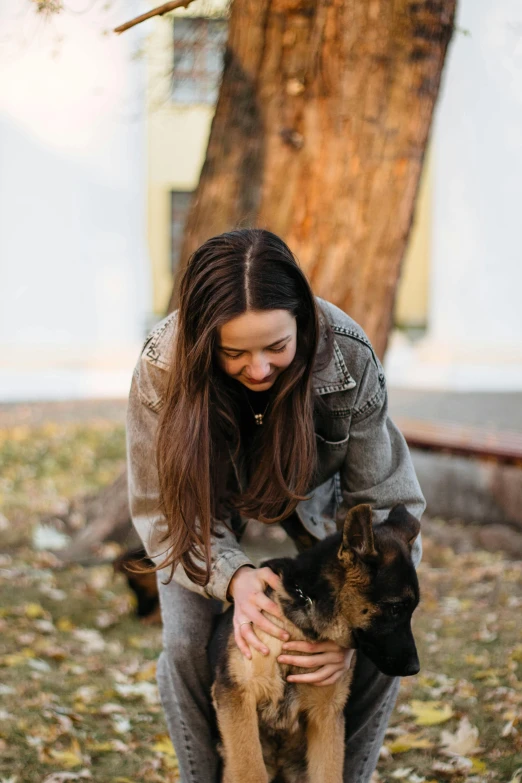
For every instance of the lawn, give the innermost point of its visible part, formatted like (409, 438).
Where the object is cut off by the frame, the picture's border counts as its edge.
(79, 699)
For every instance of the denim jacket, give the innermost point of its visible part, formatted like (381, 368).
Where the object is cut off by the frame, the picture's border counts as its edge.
(361, 455)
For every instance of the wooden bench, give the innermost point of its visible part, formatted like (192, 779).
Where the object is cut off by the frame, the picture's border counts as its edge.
(498, 446)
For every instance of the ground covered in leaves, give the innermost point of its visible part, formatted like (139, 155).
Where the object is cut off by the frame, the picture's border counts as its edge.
(77, 670)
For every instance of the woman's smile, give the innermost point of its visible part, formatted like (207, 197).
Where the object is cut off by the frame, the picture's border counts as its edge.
(263, 380)
(254, 348)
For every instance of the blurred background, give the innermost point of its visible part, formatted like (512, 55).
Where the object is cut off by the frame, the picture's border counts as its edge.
(119, 154)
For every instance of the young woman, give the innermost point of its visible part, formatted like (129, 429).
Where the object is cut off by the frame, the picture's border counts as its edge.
(255, 400)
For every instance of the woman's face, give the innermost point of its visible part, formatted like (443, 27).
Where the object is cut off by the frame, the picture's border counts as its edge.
(257, 346)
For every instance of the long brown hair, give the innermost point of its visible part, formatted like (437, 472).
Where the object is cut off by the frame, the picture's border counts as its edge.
(198, 433)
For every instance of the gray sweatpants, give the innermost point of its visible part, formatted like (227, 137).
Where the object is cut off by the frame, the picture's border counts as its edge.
(184, 682)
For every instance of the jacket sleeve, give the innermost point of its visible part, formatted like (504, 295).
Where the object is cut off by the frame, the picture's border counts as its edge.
(142, 421)
(378, 467)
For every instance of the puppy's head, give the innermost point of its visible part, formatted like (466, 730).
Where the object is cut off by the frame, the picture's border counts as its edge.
(381, 590)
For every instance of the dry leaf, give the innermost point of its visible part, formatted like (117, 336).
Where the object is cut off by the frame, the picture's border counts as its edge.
(18, 659)
(164, 745)
(477, 660)
(429, 713)
(64, 624)
(100, 747)
(34, 611)
(401, 772)
(147, 690)
(463, 743)
(120, 724)
(408, 741)
(478, 765)
(61, 777)
(486, 674)
(71, 757)
(147, 672)
(457, 765)
(508, 729)
(110, 707)
(92, 640)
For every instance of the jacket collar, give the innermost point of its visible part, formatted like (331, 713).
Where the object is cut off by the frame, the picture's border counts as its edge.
(335, 376)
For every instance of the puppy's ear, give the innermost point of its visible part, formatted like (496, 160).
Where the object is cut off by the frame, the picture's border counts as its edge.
(358, 534)
(403, 523)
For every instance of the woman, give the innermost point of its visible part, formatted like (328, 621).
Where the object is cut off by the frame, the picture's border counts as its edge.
(255, 400)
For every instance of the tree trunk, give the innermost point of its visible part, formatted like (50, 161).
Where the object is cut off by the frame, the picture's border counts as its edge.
(319, 135)
(107, 517)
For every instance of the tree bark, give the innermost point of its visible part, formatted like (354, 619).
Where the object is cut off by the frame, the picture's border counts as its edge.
(319, 135)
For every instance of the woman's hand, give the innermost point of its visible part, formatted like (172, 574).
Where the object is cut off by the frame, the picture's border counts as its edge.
(331, 659)
(247, 588)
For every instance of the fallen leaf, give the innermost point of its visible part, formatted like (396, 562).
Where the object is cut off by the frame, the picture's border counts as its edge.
(91, 639)
(121, 725)
(478, 765)
(53, 593)
(401, 772)
(100, 747)
(110, 707)
(71, 757)
(61, 777)
(464, 742)
(164, 745)
(486, 674)
(64, 624)
(508, 729)
(486, 635)
(147, 672)
(517, 776)
(146, 690)
(44, 626)
(429, 713)
(456, 766)
(38, 665)
(477, 660)
(34, 611)
(18, 659)
(106, 619)
(408, 741)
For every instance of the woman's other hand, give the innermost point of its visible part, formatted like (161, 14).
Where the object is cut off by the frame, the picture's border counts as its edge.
(247, 589)
(328, 658)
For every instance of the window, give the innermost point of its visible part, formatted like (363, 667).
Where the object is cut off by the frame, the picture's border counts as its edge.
(180, 205)
(198, 59)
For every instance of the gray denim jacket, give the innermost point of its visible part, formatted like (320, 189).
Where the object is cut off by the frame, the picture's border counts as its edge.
(362, 456)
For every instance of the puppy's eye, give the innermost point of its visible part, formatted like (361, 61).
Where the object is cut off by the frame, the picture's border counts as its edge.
(395, 609)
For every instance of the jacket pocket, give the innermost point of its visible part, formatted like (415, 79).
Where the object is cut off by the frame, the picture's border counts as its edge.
(151, 385)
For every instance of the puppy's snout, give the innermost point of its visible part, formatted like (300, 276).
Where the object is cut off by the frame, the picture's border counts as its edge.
(412, 667)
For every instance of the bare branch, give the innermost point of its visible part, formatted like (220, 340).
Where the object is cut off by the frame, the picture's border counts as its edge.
(159, 11)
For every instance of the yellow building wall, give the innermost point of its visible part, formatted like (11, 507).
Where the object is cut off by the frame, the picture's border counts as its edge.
(177, 137)
(411, 304)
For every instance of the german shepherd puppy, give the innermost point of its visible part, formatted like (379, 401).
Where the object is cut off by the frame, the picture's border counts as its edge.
(358, 588)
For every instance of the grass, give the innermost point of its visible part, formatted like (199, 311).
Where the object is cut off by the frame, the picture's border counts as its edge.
(78, 693)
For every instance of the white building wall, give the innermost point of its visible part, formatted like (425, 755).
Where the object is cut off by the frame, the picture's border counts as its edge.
(74, 271)
(474, 338)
